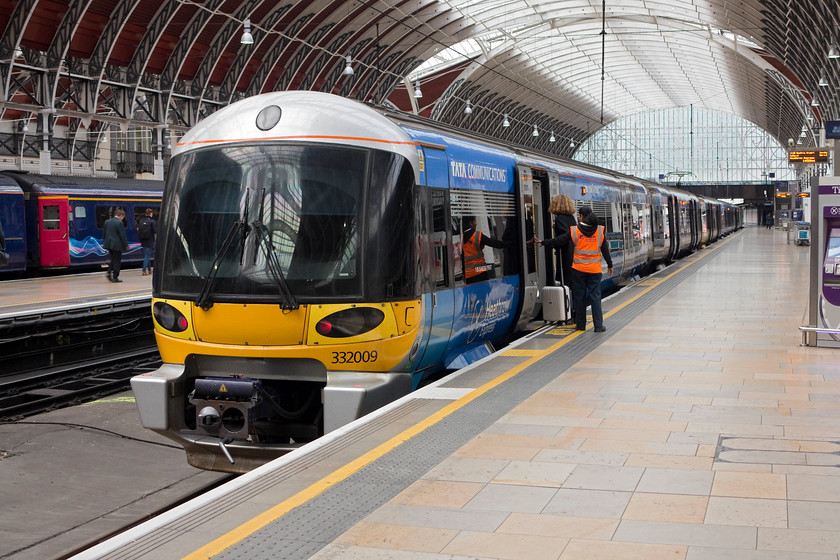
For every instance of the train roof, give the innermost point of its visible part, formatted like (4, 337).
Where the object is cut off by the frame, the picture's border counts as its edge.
(34, 182)
(8, 185)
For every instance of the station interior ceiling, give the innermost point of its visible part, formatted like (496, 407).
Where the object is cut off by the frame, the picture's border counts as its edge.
(566, 66)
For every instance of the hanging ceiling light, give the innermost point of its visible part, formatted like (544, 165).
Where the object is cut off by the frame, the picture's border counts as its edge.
(348, 69)
(833, 51)
(25, 127)
(104, 136)
(823, 81)
(18, 52)
(506, 122)
(536, 132)
(804, 132)
(468, 108)
(571, 143)
(247, 38)
(417, 93)
(552, 138)
(814, 101)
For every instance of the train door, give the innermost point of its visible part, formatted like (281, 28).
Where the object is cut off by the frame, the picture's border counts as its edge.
(53, 225)
(440, 302)
(530, 208)
(675, 227)
(630, 245)
(548, 229)
(695, 224)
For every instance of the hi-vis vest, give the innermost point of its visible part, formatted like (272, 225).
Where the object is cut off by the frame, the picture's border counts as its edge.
(474, 263)
(587, 255)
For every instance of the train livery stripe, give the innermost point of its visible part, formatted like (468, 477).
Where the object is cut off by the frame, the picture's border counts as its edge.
(269, 516)
(297, 137)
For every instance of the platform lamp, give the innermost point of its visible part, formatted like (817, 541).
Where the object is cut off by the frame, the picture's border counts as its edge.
(348, 68)
(833, 51)
(247, 38)
(823, 81)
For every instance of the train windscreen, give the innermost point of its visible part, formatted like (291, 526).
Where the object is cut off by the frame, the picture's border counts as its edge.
(255, 221)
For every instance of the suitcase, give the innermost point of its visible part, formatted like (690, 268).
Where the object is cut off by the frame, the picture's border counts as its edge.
(557, 303)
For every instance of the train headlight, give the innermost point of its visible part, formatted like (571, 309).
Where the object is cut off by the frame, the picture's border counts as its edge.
(350, 322)
(169, 318)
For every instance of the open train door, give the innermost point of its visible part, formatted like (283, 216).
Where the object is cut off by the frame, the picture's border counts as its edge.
(53, 230)
(529, 193)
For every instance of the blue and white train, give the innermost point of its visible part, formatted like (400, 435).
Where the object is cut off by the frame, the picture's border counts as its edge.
(310, 270)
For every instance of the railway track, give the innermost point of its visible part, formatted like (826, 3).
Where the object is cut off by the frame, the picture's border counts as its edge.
(26, 393)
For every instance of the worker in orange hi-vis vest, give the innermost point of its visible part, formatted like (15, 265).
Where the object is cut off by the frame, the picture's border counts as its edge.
(590, 242)
(476, 268)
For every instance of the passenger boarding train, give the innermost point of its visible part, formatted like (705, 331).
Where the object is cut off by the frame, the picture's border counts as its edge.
(310, 269)
(54, 223)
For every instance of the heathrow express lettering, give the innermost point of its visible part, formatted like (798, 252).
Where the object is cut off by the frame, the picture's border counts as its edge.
(481, 172)
(483, 316)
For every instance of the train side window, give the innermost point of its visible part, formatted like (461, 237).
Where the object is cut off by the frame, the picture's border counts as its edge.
(140, 213)
(52, 218)
(103, 213)
(440, 267)
(79, 217)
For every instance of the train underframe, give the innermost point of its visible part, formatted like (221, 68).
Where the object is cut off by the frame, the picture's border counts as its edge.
(234, 414)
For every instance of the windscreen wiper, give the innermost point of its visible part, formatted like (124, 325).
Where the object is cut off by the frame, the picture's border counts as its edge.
(288, 301)
(242, 228)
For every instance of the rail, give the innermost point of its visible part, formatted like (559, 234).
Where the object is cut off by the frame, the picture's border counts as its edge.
(807, 328)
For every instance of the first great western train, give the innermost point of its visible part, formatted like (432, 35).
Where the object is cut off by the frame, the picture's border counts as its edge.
(309, 265)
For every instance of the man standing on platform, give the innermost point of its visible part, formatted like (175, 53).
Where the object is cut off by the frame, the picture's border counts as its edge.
(115, 242)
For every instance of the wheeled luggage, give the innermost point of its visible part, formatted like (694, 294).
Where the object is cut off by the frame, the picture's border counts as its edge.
(557, 303)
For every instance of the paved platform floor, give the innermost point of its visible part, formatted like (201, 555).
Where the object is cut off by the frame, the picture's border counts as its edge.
(701, 430)
(80, 289)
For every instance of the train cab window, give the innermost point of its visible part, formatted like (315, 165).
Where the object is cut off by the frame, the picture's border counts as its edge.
(315, 220)
(52, 217)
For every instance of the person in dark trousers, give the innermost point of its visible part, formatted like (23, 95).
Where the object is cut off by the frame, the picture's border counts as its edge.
(563, 210)
(115, 242)
(768, 221)
(147, 233)
(590, 245)
(475, 267)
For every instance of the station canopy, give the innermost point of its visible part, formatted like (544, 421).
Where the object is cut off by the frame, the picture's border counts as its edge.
(567, 67)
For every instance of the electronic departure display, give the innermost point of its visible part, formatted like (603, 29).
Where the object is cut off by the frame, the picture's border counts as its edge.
(808, 156)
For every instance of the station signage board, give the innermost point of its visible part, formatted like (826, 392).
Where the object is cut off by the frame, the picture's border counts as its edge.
(808, 156)
(832, 129)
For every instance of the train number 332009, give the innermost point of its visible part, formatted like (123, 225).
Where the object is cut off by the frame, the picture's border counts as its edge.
(354, 357)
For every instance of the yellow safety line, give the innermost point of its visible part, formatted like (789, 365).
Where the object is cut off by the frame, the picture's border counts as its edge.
(269, 516)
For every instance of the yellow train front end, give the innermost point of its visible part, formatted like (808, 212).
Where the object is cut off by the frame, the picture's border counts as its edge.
(287, 287)
(263, 380)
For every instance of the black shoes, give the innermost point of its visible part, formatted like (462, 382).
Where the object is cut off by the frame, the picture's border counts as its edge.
(600, 329)
(115, 280)
(579, 328)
